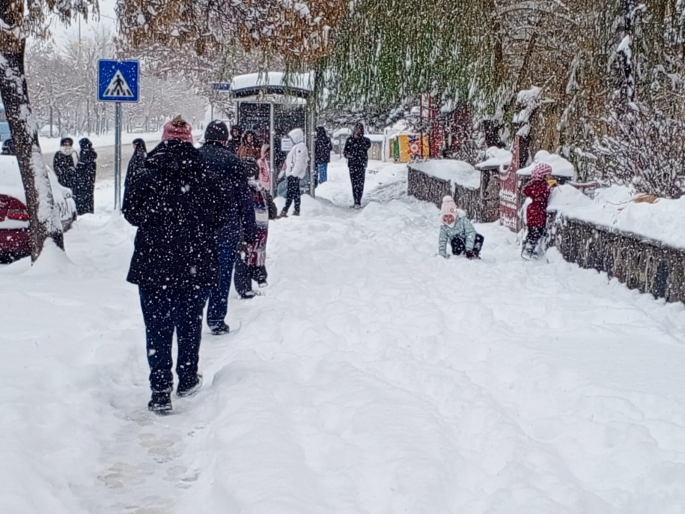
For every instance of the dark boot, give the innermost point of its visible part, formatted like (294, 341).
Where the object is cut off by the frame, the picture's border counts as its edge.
(184, 390)
(160, 402)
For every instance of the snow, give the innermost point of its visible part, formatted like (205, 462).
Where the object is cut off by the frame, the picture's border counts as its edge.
(560, 166)
(373, 377)
(274, 79)
(376, 138)
(343, 132)
(456, 172)
(51, 145)
(613, 208)
(624, 46)
(495, 158)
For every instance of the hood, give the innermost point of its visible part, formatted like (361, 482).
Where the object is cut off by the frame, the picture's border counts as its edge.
(321, 132)
(216, 131)
(359, 127)
(297, 135)
(167, 155)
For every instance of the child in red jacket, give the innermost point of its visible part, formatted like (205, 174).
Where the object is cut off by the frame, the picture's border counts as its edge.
(538, 190)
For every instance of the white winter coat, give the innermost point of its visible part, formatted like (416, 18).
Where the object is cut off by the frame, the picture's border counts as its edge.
(298, 157)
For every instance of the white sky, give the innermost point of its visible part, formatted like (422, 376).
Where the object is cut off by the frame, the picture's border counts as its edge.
(107, 18)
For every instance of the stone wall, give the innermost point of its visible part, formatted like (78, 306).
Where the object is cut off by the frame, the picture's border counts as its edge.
(427, 188)
(646, 265)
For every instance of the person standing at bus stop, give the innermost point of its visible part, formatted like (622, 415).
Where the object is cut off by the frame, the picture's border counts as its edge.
(322, 150)
(357, 154)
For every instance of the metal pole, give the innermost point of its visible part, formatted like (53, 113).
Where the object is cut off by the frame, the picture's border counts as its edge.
(117, 156)
(272, 150)
(312, 149)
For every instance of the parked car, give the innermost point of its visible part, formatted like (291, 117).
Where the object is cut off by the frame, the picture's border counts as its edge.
(14, 218)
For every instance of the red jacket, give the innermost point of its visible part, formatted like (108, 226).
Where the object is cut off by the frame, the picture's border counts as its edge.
(537, 190)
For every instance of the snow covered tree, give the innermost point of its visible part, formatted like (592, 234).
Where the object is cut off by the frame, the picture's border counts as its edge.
(20, 19)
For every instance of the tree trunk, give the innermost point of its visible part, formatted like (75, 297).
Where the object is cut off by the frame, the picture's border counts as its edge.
(43, 219)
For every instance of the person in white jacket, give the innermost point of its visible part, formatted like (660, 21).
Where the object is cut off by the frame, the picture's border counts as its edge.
(294, 169)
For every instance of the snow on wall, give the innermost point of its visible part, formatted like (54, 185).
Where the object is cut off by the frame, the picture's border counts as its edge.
(560, 166)
(495, 158)
(613, 208)
(455, 172)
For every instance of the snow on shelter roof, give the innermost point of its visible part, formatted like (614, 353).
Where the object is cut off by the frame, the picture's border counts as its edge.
(560, 166)
(495, 158)
(299, 84)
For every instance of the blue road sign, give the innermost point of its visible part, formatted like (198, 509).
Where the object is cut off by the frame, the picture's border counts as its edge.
(221, 86)
(117, 81)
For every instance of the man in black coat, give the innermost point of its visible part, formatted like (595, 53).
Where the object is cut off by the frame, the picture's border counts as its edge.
(174, 264)
(357, 154)
(236, 226)
(322, 151)
(84, 181)
(65, 162)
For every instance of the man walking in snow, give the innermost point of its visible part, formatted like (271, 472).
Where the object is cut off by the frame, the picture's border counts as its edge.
(175, 261)
(357, 154)
(295, 170)
(237, 219)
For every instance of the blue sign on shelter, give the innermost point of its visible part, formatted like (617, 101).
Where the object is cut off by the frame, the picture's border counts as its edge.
(118, 81)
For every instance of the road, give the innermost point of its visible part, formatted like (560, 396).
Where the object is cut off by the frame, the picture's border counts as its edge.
(106, 159)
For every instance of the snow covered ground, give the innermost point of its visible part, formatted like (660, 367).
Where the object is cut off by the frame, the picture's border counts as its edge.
(373, 377)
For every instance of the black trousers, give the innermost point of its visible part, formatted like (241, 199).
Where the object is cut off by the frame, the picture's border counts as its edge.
(293, 194)
(459, 247)
(357, 177)
(533, 237)
(166, 310)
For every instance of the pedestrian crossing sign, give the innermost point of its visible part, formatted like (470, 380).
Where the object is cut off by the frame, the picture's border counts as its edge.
(118, 81)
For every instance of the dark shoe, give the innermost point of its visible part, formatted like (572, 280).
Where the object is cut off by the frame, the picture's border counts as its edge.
(220, 330)
(250, 295)
(160, 402)
(283, 214)
(184, 392)
(263, 283)
(296, 213)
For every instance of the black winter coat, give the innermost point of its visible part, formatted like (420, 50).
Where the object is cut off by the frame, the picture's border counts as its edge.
(65, 169)
(136, 166)
(322, 149)
(173, 205)
(233, 192)
(84, 181)
(357, 151)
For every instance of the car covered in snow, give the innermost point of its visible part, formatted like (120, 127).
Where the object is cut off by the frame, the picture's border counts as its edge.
(14, 217)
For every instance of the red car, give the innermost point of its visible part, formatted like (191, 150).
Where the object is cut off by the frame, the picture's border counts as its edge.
(14, 218)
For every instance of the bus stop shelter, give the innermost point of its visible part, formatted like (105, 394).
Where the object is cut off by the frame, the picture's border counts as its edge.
(272, 104)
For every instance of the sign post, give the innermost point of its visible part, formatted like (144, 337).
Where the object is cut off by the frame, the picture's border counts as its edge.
(118, 82)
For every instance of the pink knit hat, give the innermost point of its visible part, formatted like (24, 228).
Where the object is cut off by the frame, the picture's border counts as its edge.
(449, 207)
(542, 170)
(178, 129)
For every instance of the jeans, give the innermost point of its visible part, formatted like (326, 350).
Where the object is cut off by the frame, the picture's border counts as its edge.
(458, 246)
(357, 177)
(293, 194)
(218, 296)
(166, 309)
(322, 170)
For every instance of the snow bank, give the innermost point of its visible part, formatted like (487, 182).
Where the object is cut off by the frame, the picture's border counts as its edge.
(560, 166)
(612, 208)
(495, 158)
(456, 172)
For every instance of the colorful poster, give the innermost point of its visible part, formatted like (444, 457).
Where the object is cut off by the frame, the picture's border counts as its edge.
(508, 192)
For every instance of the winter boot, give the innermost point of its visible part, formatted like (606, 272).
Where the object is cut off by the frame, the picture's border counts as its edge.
(283, 214)
(249, 295)
(160, 403)
(220, 330)
(263, 284)
(185, 391)
(296, 213)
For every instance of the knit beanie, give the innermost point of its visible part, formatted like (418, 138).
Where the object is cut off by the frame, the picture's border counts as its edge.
(216, 131)
(177, 129)
(542, 170)
(449, 207)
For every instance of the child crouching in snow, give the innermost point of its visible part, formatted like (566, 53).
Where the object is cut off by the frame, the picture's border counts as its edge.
(457, 230)
(538, 189)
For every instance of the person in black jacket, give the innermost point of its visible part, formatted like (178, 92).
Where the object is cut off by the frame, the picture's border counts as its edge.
(175, 263)
(65, 163)
(136, 165)
(357, 154)
(236, 140)
(237, 224)
(322, 151)
(84, 180)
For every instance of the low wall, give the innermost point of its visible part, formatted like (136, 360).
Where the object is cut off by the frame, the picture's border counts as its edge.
(643, 264)
(481, 205)
(427, 188)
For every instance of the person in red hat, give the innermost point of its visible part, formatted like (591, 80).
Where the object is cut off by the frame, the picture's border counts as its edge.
(538, 189)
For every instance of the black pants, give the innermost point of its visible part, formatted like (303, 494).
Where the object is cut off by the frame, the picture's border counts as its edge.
(258, 273)
(533, 237)
(293, 194)
(166, 310)
(357, 177)
(459, 247)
